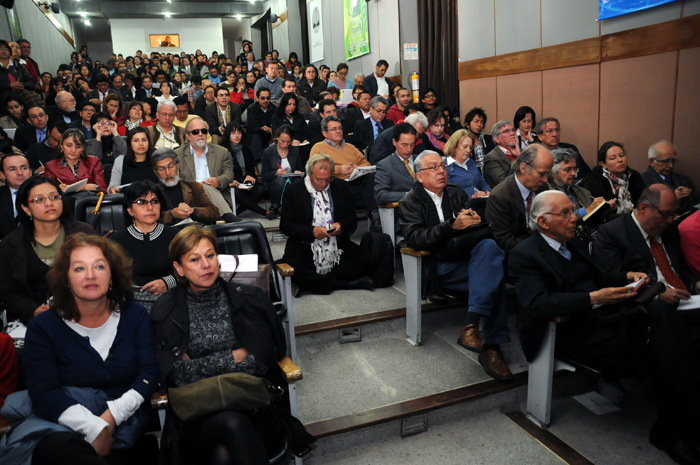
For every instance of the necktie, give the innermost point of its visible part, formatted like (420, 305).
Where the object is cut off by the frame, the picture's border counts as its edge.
(14, 203)
(564, 252)
(661, 260)
(41, 135)
(378, 130)
(527, 213)
(408, 167)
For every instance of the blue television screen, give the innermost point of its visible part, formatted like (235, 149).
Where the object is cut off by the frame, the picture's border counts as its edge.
(613, 8)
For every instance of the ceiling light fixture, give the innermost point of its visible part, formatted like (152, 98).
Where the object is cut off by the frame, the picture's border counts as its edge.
(167, 14)
(82, 14)
(238, 17)
(87, 22)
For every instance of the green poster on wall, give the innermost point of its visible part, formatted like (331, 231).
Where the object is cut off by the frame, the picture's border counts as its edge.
(356, 30)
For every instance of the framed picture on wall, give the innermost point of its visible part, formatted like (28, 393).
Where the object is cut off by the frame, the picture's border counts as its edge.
(164, 40)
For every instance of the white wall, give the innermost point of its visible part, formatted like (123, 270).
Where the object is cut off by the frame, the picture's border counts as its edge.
(383, 24)
(129, 35)
(49, 47)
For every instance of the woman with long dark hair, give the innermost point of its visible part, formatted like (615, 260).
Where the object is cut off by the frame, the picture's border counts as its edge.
(135, 165)
(524, 121)
(28, 251)
(288, 114)
(280, 160)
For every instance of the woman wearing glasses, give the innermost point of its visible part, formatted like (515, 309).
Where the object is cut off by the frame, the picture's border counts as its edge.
(612, 179)
(146, 240)
(27, 252)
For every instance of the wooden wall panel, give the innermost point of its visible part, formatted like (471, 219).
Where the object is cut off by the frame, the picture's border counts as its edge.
(478, 93)
(515, 91)
(571, 96)
(636, 103)
(686, 135)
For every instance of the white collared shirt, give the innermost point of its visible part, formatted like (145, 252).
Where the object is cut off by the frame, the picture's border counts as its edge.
(437, 200)
(382, 85)
(200, 165)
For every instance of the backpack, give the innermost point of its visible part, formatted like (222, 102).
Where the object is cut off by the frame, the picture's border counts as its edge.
(378, 251)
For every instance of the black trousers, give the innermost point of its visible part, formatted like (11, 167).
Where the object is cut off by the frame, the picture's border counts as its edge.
(352, 266)
(71, 449)
(362, 190)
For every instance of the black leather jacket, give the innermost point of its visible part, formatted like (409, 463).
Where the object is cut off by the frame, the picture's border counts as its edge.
(413, 218)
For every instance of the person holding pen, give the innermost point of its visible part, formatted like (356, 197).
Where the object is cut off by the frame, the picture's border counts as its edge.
(279, 161)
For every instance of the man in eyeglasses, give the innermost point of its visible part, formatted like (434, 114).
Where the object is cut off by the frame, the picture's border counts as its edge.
(222, 112)
(548, 132)
(647, 240)
(564, 175)
(183, 199)
(208, 164)
(498, 161)
(510, 202)
(431, 214)
(663, 161)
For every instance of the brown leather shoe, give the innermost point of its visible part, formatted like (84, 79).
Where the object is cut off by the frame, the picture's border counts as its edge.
(495, 365)
(470, 338)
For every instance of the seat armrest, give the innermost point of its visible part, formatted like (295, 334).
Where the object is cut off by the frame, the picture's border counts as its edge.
(291, 371)
(561, 319)
(390, 205)
(414, 253)
(285, 270)
(4, 426)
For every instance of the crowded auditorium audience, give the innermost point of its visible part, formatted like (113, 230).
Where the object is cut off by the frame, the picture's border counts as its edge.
(194, 138)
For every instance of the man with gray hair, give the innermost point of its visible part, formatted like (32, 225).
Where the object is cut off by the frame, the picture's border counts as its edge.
(497, 162)
(183, 199)
(663, 161)
(346, 159)
(367, 130)
(64, 110)
(510, 202)
(164, 134)
(319, 217)
(564, 174)
(433, 214)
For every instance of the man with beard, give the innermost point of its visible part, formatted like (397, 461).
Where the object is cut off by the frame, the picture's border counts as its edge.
(64, 110)
(183, 199)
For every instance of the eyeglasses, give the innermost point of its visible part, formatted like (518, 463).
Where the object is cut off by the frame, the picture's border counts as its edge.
(381, 112)
(541, 173)
(323, 181)
(334, 129)
(222, 95)
(195, 132)
(569, 169)
(40, 200)
(153, 201)
(664, 214)
(162, 169)
(506, 131)
(429, 96)
(549, 131)
(263, 98)
(566, 214)
(434, 168)
(666, 161)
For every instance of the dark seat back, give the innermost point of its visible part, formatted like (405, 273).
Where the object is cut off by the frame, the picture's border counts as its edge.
(112, 215)
(248, 237)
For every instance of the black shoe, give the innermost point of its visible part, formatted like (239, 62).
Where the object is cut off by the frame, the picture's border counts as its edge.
(230, 218)
(271, 214)
(364, 282)
(680, 449)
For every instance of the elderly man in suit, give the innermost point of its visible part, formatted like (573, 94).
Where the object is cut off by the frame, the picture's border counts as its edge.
(498, 161)
(555, 276)
(396, 174)
(208, 164)
(164, 134)
(648, 240)
(431, 214)
(663, 160)
(319, 218)
(510, 203)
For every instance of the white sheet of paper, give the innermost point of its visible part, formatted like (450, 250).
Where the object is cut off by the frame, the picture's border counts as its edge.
(248, 262)
(692, 304)
(228, 263)
(19, 332)
(596, 403)
(187, 220)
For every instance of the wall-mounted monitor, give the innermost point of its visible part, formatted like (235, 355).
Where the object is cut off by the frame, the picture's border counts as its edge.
(164, 40)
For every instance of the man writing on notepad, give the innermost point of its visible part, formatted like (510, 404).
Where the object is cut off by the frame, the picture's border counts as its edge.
(346, 158)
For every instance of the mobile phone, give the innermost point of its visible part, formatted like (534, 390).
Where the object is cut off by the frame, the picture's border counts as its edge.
(640, 285)
(330, 231)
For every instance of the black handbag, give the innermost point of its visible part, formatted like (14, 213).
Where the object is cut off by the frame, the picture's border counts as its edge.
(463, 241)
